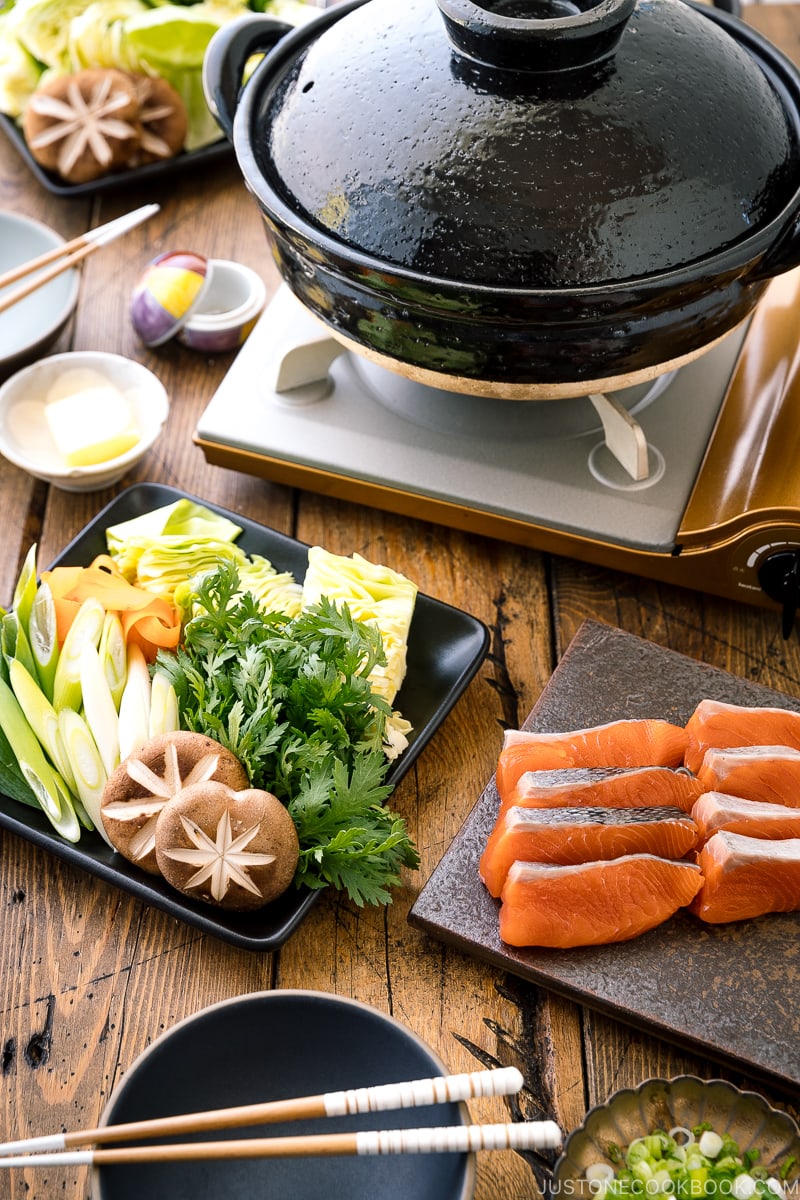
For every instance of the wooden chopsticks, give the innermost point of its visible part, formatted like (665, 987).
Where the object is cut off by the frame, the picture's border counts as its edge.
(59, 1149)
(452, 1139)
(65, 257)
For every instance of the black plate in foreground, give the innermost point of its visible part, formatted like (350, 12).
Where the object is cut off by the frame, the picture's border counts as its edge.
(445, 649)
(728, 992)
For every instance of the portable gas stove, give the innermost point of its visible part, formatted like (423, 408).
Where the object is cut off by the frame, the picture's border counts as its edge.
(693, 479)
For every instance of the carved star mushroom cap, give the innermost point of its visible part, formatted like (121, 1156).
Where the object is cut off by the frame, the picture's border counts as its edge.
(136, 792)
(83, 125)
(236, 850)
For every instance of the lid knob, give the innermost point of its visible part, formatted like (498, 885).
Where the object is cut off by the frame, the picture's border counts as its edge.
(535, 35)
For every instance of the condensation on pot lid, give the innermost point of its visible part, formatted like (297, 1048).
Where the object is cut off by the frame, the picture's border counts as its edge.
(209, 304)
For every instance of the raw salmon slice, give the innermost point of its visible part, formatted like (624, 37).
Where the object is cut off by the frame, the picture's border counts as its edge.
(634, 743)
(715, 811)
(747, 877)
(770, 774)
(593, 903)
(716, 724)
(605, 787)
(579, 835)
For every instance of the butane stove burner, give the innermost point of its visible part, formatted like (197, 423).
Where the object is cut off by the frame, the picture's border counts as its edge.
(692, 480)
(295, 395)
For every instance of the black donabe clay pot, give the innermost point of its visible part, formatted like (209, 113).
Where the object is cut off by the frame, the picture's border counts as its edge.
(521, 197)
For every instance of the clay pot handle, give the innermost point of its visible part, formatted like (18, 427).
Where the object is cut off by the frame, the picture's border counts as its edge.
(534, 36)
(226, 59)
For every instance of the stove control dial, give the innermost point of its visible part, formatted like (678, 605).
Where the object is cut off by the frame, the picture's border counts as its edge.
(779, 576)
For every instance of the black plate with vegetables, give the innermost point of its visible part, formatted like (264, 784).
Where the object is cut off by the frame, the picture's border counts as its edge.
(445, 649)
(134, 176)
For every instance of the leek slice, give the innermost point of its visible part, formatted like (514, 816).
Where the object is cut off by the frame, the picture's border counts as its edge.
(86, 628)
(113, 656)
(99, 709)
(134, 708)
(43, 779)
(163, 716)
(87, 765)
(42, 718)
(25, 589)
(14, 641)
(43, 637)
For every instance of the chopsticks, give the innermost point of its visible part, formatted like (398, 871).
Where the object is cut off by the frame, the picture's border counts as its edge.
(501, 1081)
(528, 1135)
(70, 254)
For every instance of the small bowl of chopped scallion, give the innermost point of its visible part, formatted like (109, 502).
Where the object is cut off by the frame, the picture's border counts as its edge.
(685, 1138)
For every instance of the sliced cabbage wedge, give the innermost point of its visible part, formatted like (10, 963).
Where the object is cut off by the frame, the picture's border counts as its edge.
(96, 34)
(180, 524)
(275, 591)
(42, 27)
(372, 593)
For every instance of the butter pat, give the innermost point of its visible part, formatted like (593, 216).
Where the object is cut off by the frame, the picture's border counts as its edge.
(91, 421)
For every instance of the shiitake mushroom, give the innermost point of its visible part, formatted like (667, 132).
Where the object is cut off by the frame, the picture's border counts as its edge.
(234, 849)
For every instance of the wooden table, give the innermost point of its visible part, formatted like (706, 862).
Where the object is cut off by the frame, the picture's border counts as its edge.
(90, 977)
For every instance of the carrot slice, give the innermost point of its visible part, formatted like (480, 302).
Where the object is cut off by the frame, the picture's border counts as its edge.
(148, 620)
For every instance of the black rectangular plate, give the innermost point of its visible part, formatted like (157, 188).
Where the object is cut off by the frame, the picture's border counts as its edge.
(727, 992)
(445, 649)
(132, 178)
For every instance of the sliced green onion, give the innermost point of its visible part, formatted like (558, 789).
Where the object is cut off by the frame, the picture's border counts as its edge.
(44, 780)
(743, 1187)
(42, 635)
(710, 1143)
(87, 765)
(686, 1164)
(86, 627)
(134, 707)
(113, 656)
(599, 1174)
(99, 708)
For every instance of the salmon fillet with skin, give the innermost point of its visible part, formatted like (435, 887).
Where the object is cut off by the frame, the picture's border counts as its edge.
(632, 743)
(594, 903)
(717, 724)
(578, 835)
(715, 811)
(769, 774)
(745, 877)
(605, 787)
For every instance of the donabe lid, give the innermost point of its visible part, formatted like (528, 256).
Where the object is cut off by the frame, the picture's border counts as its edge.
(527, 143)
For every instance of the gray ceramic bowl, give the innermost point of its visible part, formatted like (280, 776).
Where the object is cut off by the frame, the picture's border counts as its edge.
(33, 324)
(274, 1045)
(670, 1103)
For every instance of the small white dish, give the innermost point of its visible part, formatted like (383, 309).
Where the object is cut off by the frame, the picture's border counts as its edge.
(27, 440)
(32, 324)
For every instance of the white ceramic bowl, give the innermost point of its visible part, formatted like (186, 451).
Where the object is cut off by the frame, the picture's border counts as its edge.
(32, 324)
(26, 439)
